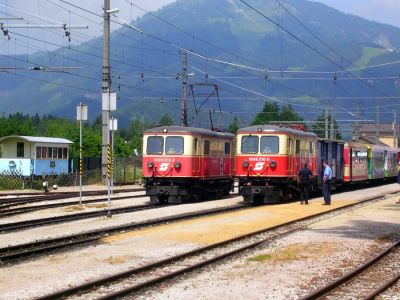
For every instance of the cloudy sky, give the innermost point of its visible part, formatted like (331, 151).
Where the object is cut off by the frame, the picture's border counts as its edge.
(47, 11)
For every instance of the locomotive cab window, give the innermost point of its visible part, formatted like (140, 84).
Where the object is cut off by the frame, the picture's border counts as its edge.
(269, 145)
(297, 146)
(206, 147)
(174, 145)
(155, 145)
(195, 146)
(227, 148)
(249, 144)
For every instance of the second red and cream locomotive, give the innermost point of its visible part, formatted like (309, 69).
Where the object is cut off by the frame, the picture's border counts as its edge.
(268, 159)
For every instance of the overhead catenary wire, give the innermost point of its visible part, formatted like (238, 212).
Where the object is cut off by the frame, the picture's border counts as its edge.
(309, 46)
(268, 71)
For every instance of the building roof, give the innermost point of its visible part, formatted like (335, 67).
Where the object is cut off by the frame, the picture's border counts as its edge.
(372, 128)
(372, 140)
(37, 139)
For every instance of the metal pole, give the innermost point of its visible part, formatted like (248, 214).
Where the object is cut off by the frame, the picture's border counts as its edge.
(108, 199)
(105, 116)
(184, 89)
(378, 133)
(326, 123)
(134, 168)
(80, 157)
(332, 133)
(112, 155)
(357, 135)
(108, 180)
(395, 143)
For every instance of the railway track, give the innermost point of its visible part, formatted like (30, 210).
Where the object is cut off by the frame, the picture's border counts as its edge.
(7, 227)
(367, 281)
(18, 252)
(8, 202)
(144, 277)
(22, 210)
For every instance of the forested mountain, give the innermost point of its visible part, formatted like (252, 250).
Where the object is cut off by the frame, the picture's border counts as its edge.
(145, 66)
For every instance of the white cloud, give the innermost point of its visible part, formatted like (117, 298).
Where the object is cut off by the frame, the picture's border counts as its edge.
(53, 10)
(383, 11)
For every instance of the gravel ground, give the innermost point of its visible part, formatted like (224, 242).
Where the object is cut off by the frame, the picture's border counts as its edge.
(297, 264)
(284, 270)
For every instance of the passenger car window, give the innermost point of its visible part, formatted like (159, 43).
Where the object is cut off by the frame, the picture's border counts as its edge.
(155, 145)
(249, 144)
(269, 145)
(174, 145)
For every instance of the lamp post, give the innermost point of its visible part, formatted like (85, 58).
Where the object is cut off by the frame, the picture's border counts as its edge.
(81, 115)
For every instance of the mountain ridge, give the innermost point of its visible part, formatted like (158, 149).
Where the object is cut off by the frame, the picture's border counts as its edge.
(249, 40)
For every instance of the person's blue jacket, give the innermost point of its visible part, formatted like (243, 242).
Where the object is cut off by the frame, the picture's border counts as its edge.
(398, 177)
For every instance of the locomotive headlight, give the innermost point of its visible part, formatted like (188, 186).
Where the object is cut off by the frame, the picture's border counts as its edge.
(177, 164)
(245, 164)
(272, 164)
(150, 164)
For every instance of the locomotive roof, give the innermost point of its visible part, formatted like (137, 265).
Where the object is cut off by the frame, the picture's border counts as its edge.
(273, 128)
(190, 130)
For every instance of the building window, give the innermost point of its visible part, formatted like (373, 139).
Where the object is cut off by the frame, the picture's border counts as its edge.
(59, 154)
(38, 152)
(65, 153)
(20, 149)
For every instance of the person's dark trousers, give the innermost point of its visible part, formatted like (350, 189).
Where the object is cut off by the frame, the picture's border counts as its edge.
(304, 190)
(327, 192)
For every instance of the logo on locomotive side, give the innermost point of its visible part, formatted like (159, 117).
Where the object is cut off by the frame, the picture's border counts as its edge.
(163, 167)
(259, 166)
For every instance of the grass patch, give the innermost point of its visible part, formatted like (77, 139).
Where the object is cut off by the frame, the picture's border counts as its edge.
(296, 252)
(260, 258)
(115, 260)
(74, 208)
(99, 205)
(368, 54)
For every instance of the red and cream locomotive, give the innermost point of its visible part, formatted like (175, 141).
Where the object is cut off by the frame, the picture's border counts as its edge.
(185, 163)
(268, 159)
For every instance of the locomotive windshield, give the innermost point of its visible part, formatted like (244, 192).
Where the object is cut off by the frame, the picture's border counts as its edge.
(269, 145)
(249, 144)
(174, 145)
(155, 145)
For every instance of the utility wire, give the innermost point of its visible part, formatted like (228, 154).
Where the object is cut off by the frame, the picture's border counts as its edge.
(309, 46)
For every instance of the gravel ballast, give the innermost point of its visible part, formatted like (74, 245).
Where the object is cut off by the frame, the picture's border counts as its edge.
(286, 269)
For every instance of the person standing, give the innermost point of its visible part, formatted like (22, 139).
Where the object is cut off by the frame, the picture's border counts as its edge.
(327, 180)
(304, 176)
